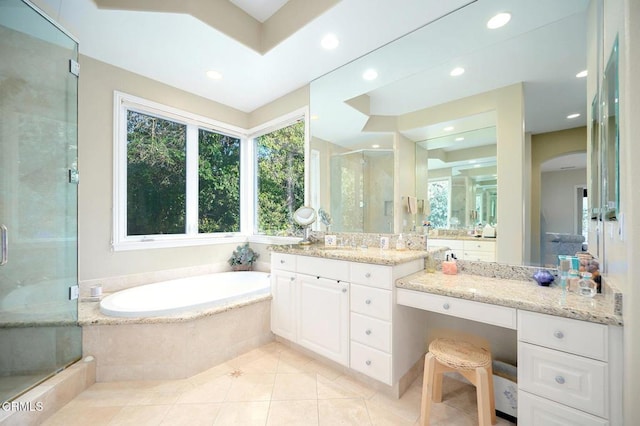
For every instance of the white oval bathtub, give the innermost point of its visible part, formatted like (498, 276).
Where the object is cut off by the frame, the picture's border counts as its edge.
(186, 294)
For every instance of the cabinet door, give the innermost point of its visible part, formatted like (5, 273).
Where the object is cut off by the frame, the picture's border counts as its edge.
(536, 411)
(283, 304)
(323, 313)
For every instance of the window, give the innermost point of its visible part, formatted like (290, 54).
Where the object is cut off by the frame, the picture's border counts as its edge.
(156, 175)
(182, 179)
(219, 182)
(177, 176)
(439, 203)
(280, 178)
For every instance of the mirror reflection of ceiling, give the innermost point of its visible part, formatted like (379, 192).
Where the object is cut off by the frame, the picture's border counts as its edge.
(466, 146)
(543, 46)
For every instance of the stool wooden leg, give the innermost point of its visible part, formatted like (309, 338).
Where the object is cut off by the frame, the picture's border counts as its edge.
(484, 398)
(427, 388)
(438, 376)
(492, 395)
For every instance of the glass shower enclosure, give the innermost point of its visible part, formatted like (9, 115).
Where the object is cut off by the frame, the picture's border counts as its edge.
(362, 191)
(39, 334)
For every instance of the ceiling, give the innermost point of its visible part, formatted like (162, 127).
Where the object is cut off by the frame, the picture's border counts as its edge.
(260, 9)
(177, 42)
(178, 48)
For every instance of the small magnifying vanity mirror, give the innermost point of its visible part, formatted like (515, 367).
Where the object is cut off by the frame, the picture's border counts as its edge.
(304, 217)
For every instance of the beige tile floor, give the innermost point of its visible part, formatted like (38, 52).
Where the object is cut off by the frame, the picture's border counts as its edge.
(272, 385)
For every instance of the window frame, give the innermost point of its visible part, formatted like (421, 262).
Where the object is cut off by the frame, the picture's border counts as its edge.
(252, 202)
(120, 241)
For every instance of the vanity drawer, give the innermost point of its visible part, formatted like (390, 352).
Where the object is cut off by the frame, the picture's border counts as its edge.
(487, 246)
(325, 268)
(533, 410)
(569, 335)
(371, 332)
(372, 275)
(479, 256)
(284, 262)
(372, 362)
(451, 244)
(476, 311)
(567, 379)
(370, 301)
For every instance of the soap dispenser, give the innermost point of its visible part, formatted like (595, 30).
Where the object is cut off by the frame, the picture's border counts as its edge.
(400, 245)
(450, 267)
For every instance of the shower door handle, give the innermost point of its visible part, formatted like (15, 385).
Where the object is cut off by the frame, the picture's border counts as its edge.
(4, 236)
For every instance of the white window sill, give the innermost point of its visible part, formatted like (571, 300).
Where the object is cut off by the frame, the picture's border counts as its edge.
(156, 242)
(164, 241)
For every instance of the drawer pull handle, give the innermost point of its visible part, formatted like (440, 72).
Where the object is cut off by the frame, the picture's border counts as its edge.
(368, 362)
(446, 306)
(368, 301)
(558, 334)
(282, 261)
(368, 332)
(292, 278)
(344, 289)
(368, 275)
(560, 380)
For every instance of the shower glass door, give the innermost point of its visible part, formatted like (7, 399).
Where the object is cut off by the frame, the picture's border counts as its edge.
(39, 334)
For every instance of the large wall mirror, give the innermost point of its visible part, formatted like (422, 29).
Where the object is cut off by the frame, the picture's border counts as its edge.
(610, 143)
(452, 102)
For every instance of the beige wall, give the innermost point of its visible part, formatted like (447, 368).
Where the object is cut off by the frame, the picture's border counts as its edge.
(621, 239)
(404, 182)
(546, 146)
(622, 249)
(97, 83)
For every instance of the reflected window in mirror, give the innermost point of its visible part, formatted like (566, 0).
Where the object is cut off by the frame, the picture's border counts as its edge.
(461, 171)
(439, 203)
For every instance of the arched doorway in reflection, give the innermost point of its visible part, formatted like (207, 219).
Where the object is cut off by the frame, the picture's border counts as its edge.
(563, 206)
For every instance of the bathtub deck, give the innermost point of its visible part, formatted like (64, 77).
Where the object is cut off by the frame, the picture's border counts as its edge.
(89, 313)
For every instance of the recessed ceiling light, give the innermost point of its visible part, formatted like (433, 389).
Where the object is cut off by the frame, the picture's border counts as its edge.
(370, 74)
(375, 146)
(571, 116)
(456, 72)
(448, 128)
(459, 139)
(582, 74)
(214, 75)
(330, 41)
(500, 20)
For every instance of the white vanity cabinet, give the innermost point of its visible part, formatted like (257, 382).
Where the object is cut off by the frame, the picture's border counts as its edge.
(323, 316)
(346, 312)
(284, 293)
(455, 246)
(311, 308)
(569, 371)
(371, 315)
(477, 249)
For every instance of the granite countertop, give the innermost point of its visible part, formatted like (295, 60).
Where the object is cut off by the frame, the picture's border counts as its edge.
(375, 256)
(527, 295)
(461, 237)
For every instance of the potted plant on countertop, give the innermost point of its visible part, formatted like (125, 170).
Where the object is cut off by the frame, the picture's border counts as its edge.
(243, 258)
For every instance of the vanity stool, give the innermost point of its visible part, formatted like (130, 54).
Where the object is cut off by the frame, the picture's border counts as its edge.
(473, 362)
